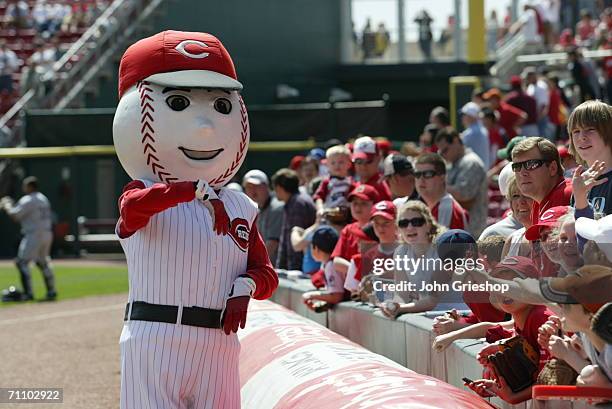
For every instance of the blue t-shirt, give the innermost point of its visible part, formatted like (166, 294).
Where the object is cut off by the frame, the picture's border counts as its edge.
(309, 264)
(476, 137)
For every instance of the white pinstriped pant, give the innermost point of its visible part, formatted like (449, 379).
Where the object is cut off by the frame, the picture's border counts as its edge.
(169, 366)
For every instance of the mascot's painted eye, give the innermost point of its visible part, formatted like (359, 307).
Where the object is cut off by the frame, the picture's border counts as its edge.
(223, 105)
(177, 102)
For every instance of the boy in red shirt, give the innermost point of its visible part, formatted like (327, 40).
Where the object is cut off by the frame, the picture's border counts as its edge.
(361, 200)
(371, 261)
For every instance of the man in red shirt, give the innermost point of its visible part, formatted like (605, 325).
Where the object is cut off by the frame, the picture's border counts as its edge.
(510, 118)
(539, 174)
(526, 103)
(430, 174)
(362, 198)
(366, 158)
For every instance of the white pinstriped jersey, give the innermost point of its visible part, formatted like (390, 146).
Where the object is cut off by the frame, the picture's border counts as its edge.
(177, 258)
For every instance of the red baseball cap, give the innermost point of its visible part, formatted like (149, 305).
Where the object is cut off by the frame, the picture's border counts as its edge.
(523, 266)
(547, 219)
(383, 145)
(178, 58)
(515, 81)
(384, 209)
(364, 192)
(296, 161)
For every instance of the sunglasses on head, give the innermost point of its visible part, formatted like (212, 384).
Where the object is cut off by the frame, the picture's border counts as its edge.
(427, 174)
(416, 222)
(530, 164)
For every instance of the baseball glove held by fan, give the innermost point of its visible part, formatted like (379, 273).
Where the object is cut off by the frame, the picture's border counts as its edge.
(517, 363)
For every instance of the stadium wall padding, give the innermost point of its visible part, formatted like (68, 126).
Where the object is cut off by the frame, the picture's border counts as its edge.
(287, 361)
(406, 340)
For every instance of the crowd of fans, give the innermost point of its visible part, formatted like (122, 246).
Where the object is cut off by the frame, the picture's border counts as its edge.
(337, 215)
(34, 35)
(548, 25)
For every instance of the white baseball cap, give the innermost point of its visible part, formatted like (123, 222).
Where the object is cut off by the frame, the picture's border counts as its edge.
(471, 109)
(235, 187)
(256, 177)
(599, 231)
(364, 148)
(504, 179)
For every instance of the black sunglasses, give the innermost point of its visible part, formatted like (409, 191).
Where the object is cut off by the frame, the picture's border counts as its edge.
(530, 164)
(416, 222)
(427, 174)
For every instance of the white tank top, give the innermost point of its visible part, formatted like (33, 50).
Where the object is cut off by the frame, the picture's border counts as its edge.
(177, 258)
(516, 238)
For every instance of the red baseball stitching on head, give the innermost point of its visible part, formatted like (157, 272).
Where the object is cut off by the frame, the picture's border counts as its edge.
(147, 132)
(244, 120)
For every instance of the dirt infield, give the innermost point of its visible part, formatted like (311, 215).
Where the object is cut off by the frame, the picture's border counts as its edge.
(71, 344)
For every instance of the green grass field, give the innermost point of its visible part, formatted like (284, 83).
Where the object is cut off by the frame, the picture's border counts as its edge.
(72, 281)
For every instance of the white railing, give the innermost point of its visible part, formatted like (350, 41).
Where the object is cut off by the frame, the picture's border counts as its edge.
(556, 58)
(507, 53)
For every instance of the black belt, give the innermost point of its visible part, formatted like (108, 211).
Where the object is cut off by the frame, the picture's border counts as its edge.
(193, 316)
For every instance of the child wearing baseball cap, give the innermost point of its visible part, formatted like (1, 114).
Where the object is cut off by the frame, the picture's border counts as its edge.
(361, 200)
(484, 315)
(382, 217)
(527, 319)
(323, 242)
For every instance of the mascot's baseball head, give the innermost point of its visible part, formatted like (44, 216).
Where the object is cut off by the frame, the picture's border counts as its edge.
(180, 116)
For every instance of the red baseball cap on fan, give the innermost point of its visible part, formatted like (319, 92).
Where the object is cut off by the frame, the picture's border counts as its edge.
(549, 218)
(384, 209)
(180, 59)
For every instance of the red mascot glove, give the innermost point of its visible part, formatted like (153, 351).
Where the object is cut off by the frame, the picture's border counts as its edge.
(221, 221)
(236, 305)
(220, 218)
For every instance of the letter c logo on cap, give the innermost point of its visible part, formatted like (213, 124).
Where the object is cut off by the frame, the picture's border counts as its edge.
(549, 214)
(194, 46)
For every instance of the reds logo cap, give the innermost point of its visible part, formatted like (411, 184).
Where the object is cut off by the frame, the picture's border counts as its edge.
(523, 266)
(364, 192)
(180, 59)
(385, 209)
(549, 218)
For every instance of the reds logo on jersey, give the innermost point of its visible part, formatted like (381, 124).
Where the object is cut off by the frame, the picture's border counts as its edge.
(240, 232)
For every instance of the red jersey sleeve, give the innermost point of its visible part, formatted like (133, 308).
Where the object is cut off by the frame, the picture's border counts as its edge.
(459, 218)
(514, 113)
(138, 203)
(322, 191)
(341, 245)
(259, 267)
(384, 191)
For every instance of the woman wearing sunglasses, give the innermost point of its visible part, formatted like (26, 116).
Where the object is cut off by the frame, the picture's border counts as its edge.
(414, 261)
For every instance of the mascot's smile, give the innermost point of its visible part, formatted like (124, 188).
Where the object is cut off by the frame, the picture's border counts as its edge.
(200, 155)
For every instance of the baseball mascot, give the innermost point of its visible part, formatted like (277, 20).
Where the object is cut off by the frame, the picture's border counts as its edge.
(195, 257)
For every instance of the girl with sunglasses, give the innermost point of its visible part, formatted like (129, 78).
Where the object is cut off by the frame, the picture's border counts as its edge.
(418, 230)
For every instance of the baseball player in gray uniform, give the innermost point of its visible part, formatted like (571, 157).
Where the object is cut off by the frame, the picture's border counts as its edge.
(33, 211)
